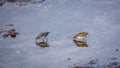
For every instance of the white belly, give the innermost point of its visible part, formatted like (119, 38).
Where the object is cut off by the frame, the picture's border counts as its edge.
(80, 37)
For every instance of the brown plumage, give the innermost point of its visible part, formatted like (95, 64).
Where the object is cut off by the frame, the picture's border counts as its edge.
(42, 44)
(10, 32)
(80, 43)
(13, 34)
(81, 36)
(42, 35)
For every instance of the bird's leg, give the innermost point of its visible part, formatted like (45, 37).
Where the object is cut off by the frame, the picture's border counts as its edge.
(36, 41)
(82, 39)
(85, 39)
(43, 39)
(46, 40)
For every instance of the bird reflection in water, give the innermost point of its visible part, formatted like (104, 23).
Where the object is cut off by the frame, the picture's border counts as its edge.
(80, 39)
(43, 37)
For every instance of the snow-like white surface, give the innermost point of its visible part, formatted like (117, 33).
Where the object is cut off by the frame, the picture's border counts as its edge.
(63, 19)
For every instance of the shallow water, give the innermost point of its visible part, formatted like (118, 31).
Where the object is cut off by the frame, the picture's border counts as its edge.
(63, 19)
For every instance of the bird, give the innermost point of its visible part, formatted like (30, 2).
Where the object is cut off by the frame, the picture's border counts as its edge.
(42, 44)
(13, 34)
(10, 32)
(81, 36)
(42, 36)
